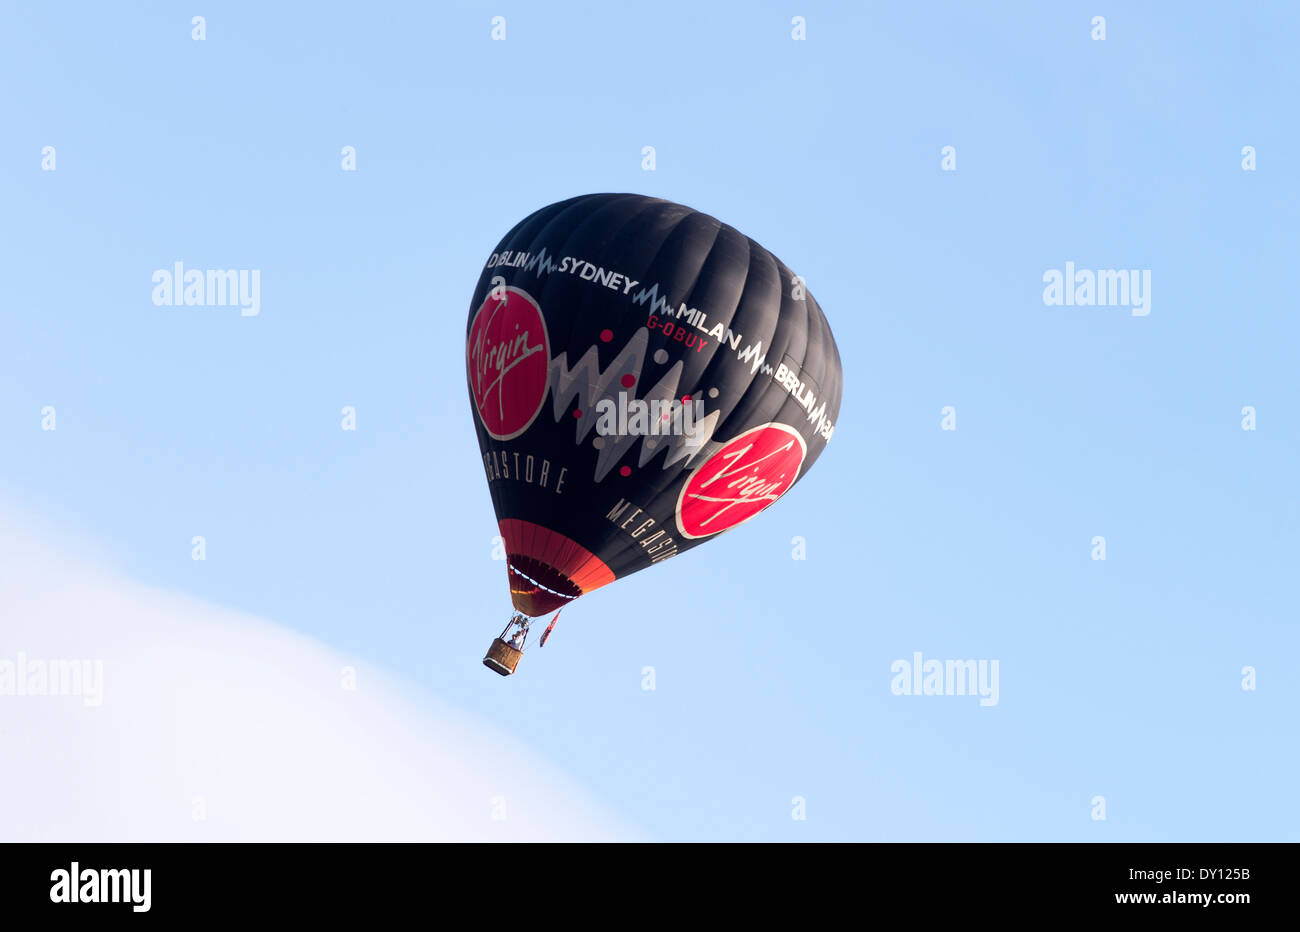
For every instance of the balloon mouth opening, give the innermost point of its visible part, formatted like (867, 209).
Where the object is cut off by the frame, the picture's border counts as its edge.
(548, 570)
(537, 588)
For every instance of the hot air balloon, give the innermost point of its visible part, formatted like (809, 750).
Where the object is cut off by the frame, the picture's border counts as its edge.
(643, 377)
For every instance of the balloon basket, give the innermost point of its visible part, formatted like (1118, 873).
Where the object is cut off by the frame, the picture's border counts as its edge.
(502, 658)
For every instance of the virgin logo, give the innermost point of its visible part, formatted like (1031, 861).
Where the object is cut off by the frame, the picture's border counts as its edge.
(749, 473)
(508, 360)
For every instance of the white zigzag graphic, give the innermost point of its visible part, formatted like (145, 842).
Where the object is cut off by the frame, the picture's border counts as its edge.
(588, 383)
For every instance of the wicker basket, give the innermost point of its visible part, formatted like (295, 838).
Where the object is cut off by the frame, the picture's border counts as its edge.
(502, 658)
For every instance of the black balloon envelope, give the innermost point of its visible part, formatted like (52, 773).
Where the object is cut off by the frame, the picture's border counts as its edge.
(643, 377)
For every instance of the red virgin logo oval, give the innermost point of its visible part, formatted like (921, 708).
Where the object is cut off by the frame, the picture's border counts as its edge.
(749, 473)
(508, 360)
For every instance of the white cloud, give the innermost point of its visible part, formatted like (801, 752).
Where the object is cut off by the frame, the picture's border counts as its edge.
(208, 711)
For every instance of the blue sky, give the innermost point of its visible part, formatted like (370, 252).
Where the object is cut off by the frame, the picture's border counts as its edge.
(1119, 678)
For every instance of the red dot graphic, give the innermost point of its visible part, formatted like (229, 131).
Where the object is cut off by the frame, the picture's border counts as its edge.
(628, 380)
(577, 412)
(625, 471)
(606, 336)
